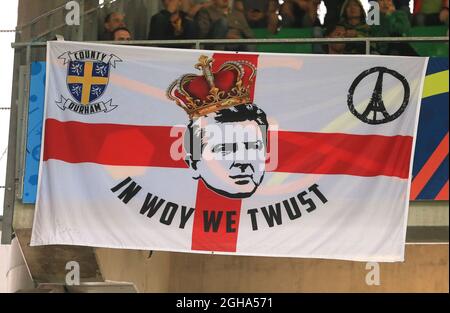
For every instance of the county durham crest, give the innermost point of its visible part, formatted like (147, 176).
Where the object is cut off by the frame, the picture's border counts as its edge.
(87, 79)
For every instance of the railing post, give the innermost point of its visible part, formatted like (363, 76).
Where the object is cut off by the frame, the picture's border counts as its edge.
(32, 31)
(367, 46)
(50, 20)
(11, 179)
(197, 45)
(81, 27)
(28, 55)
(22, 122)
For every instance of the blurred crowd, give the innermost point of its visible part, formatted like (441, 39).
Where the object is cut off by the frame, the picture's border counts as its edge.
(238, 19)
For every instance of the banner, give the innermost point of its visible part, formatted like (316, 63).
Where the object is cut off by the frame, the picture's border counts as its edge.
(229, 153)
(430, 171)
(430, 156)
(34, 131)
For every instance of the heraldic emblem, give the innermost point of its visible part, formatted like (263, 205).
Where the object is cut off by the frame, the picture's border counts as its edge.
(87, 79)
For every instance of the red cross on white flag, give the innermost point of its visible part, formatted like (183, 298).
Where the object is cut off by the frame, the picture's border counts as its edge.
(329, 176)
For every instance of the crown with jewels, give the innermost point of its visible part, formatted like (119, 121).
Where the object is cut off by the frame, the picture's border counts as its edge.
(200, 95)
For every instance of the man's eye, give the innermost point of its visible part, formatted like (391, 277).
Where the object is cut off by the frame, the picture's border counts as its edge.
(254, 145)
(224, 148)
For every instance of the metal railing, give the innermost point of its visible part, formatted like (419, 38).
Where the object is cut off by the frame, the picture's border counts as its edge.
(12, 180)
(48, 16)
(59, 9)
(199, 42)
(42, 16)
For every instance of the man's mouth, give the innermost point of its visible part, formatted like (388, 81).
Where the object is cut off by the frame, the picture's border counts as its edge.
(242, 179)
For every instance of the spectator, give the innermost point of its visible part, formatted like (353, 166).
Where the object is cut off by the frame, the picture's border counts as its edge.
(394, 23)
(192, 7)
(121, 34)
(171, 23)
(312, 8)
(430, 12)
(300, 13)
(335, 31)
(260, 14)
(353, 18)
(239, 5)
(443, 15)
(403, 5)
(113, 21)
(218, 21)
(333, 9)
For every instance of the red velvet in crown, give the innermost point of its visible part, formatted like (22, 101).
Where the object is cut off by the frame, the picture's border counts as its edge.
(213, 91)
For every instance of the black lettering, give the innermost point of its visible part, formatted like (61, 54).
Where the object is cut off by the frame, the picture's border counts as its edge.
(97, 107)
(253, 213)
(308, 201)
(231, 222)
(121, 184)
(103, 56)
(212, 220)
(315, 188)
(185, 216)
(293, 214)
(272, 214)
(168, 213)
(129, 192)
(151, 204)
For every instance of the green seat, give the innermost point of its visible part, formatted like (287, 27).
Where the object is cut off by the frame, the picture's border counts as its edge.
(423, 49)
(284, 47)
(432, 49)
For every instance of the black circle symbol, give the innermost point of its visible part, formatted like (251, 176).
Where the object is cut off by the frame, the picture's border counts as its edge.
(376, 104)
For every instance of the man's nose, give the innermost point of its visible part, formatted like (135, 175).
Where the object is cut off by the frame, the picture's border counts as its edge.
(242, 166)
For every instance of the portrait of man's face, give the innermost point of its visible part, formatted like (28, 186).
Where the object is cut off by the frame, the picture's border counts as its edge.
(227, 150)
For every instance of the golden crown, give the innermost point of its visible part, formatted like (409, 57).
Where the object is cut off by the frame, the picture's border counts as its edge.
(213, 91)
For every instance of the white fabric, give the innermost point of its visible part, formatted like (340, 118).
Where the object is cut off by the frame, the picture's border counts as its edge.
(364, 218)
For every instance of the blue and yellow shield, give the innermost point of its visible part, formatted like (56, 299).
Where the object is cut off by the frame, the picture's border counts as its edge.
(87, 80)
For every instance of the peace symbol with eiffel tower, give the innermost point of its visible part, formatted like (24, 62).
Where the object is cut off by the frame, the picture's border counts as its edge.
(376, 104)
